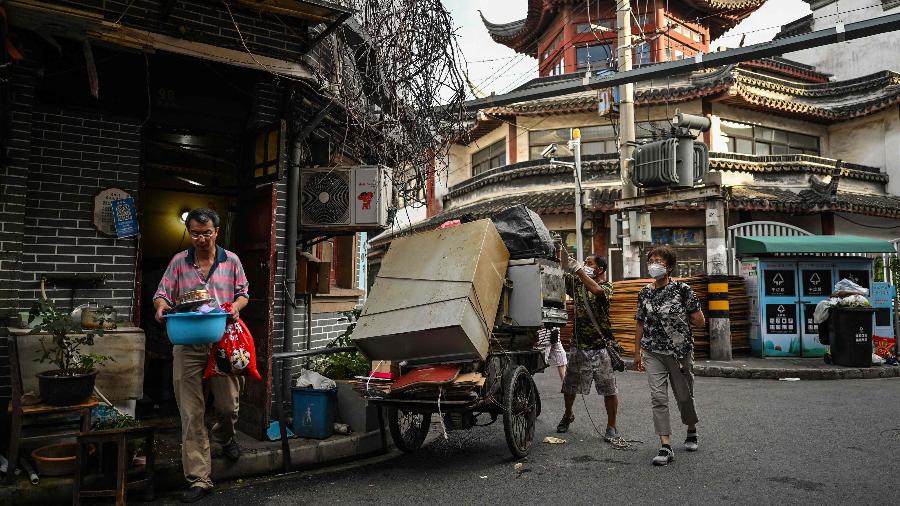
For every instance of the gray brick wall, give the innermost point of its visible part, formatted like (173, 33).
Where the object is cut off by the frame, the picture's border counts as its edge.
(205, 21)
(75, 155)
(13, 188)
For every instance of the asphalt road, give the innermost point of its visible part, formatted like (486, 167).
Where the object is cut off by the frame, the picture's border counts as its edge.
(761, 442)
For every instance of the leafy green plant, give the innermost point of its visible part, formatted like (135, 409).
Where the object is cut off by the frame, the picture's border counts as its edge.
(119, 420)
(343, 365)
(67, 338)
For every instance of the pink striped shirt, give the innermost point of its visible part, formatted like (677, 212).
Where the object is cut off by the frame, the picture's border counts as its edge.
(225, 281)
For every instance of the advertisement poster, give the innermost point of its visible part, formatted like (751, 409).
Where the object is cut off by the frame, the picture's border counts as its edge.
(125, 218)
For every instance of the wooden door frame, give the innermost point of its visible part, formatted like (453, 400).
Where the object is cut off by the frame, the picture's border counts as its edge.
(253, 427)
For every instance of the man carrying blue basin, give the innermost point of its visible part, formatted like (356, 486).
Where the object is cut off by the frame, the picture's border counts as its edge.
(217, 271)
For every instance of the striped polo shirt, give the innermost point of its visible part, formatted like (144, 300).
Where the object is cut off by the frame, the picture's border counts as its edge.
(225, 282)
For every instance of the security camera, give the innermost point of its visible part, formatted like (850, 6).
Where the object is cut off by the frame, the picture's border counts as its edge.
(549, 151)
(691, 122)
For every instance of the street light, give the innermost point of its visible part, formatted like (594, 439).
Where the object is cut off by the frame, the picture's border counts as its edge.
(575, 146)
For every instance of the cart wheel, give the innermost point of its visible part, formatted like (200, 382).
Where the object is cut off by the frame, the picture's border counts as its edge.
(519, 410)
(408, 428)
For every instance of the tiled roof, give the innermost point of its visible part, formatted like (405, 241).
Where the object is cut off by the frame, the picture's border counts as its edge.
(592, 167)
(796, 27)
(748, 198)
(822, 102)
(757, 198)
(792, 163)
(542, 202)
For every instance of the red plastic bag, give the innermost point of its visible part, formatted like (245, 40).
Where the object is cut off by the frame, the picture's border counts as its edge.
(884, 346)
(234, 354)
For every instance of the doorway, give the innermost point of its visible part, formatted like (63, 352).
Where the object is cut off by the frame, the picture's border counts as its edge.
(198, 152)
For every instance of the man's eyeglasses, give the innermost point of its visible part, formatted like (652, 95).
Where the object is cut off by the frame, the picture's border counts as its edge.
(206, 234)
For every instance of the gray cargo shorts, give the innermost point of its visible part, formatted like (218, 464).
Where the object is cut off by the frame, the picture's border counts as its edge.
(586, 367)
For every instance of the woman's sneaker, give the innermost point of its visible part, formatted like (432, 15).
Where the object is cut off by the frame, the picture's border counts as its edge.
(664, 456)
(610, 435)
(690, 442)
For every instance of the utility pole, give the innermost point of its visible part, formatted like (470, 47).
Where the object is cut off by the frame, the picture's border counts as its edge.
(631, 262)
(717, 270)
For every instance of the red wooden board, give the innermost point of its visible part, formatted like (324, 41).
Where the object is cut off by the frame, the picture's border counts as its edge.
(436, 375)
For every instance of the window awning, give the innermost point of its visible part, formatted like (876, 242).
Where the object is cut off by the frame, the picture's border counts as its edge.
(810, 245)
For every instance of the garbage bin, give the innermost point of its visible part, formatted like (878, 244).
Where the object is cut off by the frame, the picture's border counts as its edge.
(851, 335)
(314, 412)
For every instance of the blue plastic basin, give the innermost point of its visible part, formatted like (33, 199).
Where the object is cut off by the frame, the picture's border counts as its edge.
(195, 328)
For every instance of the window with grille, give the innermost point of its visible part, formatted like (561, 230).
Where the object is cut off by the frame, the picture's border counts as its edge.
(757, 140)
(267, 151)
(598, 56)
(595, 140)
(489, 158)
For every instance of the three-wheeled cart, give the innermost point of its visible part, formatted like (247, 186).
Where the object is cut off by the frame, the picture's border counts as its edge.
(457, 313)
(508, 392)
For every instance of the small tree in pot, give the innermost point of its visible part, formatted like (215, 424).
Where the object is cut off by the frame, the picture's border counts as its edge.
(73, 379)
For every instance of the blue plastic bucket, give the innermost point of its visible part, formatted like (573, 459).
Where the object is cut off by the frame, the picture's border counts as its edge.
(195, 328)
(314, 412)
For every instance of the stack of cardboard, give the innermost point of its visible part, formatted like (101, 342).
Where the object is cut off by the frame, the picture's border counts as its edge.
(464, 387)
(624, 306)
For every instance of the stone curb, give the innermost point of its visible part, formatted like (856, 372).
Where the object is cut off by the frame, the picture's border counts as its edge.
(830, 373)
(261, 462)
(717, 371)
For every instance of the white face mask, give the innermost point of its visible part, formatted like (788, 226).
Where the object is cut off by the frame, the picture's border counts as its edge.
(589, 271)
(656, 271)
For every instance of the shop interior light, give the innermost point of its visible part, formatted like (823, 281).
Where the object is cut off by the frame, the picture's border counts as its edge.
(189, 181)
(184, 215)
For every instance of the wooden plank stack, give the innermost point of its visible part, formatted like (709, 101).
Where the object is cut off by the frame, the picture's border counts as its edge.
(624, 306)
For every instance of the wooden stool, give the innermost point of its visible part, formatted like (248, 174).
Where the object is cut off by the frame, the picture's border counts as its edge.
(120, 438)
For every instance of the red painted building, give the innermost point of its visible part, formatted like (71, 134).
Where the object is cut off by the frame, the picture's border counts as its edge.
(569, 36)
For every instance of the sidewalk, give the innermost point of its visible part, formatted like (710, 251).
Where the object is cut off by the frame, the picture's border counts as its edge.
(777, 368)
(803, 368)
(258, 458)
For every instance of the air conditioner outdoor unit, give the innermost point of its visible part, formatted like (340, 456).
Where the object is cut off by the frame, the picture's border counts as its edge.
(345, 198)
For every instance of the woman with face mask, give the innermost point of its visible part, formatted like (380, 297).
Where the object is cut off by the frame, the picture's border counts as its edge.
(667, 310)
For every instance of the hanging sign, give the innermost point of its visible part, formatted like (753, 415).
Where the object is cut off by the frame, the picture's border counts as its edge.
(125, 217)
(103, 211)
(816, 283)
(781, 319)
(779, 282)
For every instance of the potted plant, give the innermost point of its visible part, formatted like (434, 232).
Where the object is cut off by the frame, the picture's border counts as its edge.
(116, 420)
(73, 379)
(342, 367)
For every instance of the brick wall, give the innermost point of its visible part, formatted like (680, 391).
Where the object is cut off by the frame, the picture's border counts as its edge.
(13, 188)
(205, 21)
(74, 155)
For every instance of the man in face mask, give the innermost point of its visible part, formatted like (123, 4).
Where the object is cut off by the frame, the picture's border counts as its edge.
(590, 362)
(666, 311)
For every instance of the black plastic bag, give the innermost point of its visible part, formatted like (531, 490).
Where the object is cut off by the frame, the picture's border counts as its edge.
(524, 233)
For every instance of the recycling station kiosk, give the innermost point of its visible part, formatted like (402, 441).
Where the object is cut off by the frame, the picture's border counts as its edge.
(787, 276)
